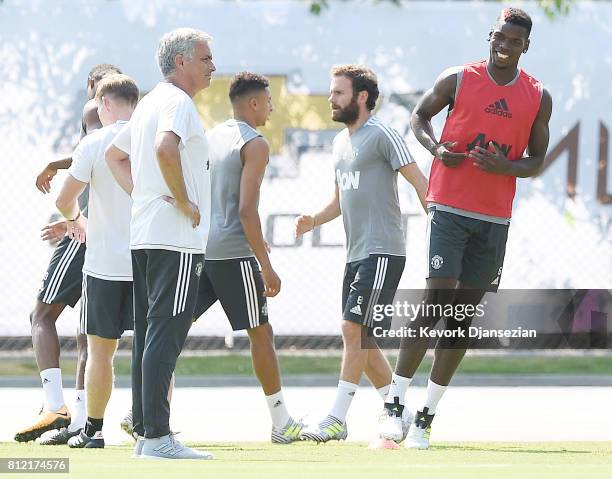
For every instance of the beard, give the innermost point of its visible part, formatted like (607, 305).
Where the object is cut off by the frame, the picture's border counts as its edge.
(347, 115)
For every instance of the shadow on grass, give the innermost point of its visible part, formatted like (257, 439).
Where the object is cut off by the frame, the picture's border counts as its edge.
(227, 447)
(510, 449)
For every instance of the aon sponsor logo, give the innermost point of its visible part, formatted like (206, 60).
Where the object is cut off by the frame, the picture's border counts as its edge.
(347, 181)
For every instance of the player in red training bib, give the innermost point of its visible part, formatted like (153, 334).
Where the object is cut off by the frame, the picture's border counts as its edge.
(496, 112)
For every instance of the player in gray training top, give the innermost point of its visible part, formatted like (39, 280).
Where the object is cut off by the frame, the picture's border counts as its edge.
(238, 160)
(369, 199)
(368, 154)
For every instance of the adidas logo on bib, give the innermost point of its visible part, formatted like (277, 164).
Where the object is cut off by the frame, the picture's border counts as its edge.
(356, 310)
(499, 108)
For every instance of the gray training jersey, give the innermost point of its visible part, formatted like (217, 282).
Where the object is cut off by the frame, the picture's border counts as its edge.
(366, 164)
(226, 237)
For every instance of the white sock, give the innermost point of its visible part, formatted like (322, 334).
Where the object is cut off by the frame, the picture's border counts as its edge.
(344, 397)
(384, 392)
(399, 385)
(434, 394)
(79, 411)
(52, 388)
(278, 410)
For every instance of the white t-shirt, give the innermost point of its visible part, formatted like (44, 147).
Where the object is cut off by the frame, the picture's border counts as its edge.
(156, 224)
(108, 225)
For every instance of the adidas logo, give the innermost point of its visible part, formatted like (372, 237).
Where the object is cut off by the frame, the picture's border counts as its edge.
(278, 403)
(45, 381)
(356, 310)
(499, 108)
(496, 281)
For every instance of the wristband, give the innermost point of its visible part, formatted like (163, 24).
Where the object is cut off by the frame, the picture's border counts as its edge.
(76, 217)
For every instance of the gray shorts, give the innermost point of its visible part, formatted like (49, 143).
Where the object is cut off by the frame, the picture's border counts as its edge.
(368, 283)
(467, 249)
(238, 285)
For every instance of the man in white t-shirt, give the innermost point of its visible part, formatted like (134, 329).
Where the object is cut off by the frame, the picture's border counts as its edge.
(106, 305)
(161, 157)
(61, 287)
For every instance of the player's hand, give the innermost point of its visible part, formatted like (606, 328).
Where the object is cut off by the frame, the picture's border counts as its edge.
(304, 224)
(43, 180)
(76, 231)
(188, 208)
(450, 159)
(272, 283)
(53, 232)
(491, 161)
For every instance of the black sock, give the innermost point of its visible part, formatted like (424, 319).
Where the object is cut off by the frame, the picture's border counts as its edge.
(93, 425)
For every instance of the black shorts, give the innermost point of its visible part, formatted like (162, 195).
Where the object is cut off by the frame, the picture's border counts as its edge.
(107, 308)
(238, 285)
(64, 277)
(468, 249)
(370, 282)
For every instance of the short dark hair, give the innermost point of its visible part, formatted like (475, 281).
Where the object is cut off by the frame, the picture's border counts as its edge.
(362, 79)
(516, 16)
(118, 86)
(244, 83)
(100, 71)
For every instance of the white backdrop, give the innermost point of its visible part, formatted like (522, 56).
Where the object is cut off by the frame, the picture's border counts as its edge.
(47, 49)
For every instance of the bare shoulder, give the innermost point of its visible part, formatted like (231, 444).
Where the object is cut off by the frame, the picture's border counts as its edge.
(447, 80)
(257, 145)
(91, 120)
(547, 101)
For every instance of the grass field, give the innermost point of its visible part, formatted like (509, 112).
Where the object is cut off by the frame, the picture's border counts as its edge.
(236, 364)
(308, 460)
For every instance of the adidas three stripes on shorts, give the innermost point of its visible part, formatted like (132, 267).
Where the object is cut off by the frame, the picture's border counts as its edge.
(64, 276)
(369, 282)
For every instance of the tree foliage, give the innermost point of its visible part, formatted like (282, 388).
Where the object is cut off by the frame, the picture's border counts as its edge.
(552, 8)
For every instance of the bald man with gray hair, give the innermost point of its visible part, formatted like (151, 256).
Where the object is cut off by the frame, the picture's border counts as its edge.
(170, 189)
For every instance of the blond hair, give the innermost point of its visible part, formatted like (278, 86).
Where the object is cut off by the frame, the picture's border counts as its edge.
(118, 87)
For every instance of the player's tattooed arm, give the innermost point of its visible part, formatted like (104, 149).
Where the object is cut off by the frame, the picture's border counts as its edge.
(306, 223)
(494, 159)
(255, 155)
(433, 102)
